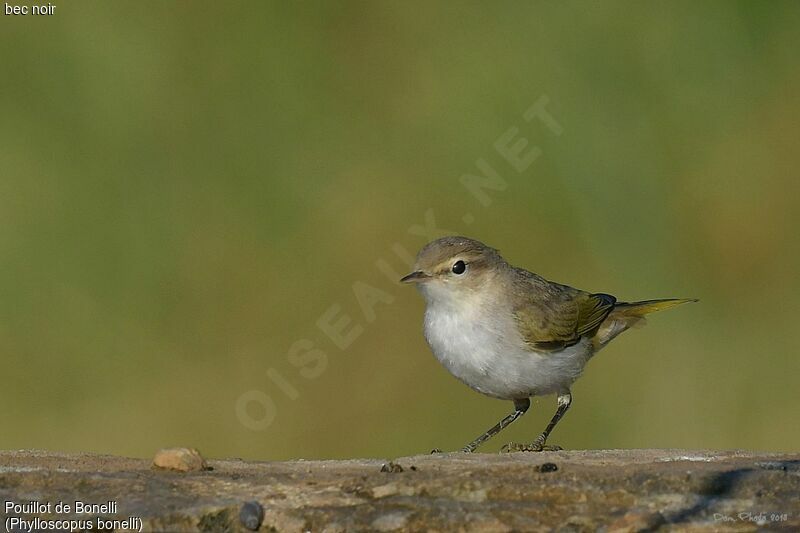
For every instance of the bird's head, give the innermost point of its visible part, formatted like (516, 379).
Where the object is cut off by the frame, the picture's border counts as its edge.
(454, 267)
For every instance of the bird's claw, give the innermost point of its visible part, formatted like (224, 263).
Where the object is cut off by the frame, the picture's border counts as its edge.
(535, 446)
(519, 447)
(551, 448)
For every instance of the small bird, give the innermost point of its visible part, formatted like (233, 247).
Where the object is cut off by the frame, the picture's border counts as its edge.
(511, 334)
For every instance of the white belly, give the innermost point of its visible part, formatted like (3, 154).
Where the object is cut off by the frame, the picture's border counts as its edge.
(488, 356)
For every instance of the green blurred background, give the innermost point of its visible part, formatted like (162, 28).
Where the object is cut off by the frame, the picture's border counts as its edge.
(186, 188)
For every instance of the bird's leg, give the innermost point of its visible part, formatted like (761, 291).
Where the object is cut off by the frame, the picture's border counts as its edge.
(520, 406)
(564, 401)
(539, 445)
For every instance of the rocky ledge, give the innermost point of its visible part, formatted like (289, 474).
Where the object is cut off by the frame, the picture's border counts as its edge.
(611, 490)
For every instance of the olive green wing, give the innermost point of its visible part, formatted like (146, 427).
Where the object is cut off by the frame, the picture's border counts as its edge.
(555, 319)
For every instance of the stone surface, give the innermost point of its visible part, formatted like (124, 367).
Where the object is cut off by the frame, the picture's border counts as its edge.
(611, 490)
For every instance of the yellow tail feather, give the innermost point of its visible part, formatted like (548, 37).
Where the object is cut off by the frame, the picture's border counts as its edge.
(631, 314)
(645, 307)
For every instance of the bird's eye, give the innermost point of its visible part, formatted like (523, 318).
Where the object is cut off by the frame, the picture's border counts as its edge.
(459, 267)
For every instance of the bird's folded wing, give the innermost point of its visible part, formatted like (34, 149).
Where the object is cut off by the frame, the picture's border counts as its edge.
(561, 318)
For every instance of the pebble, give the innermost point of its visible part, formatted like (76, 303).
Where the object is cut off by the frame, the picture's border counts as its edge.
(391, 467)
(180, 459)
(547, 467)
(251, 515)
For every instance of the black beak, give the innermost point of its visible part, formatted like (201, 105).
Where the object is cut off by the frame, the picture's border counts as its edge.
(415, 277)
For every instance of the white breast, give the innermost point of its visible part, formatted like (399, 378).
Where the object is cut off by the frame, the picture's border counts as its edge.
(487, 353)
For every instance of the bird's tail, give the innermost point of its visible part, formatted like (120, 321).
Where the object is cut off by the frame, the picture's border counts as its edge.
(626, 315)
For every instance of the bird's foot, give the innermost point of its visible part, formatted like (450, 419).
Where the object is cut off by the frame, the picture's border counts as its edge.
(519, 447)
(536, 446)
(551, 448)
